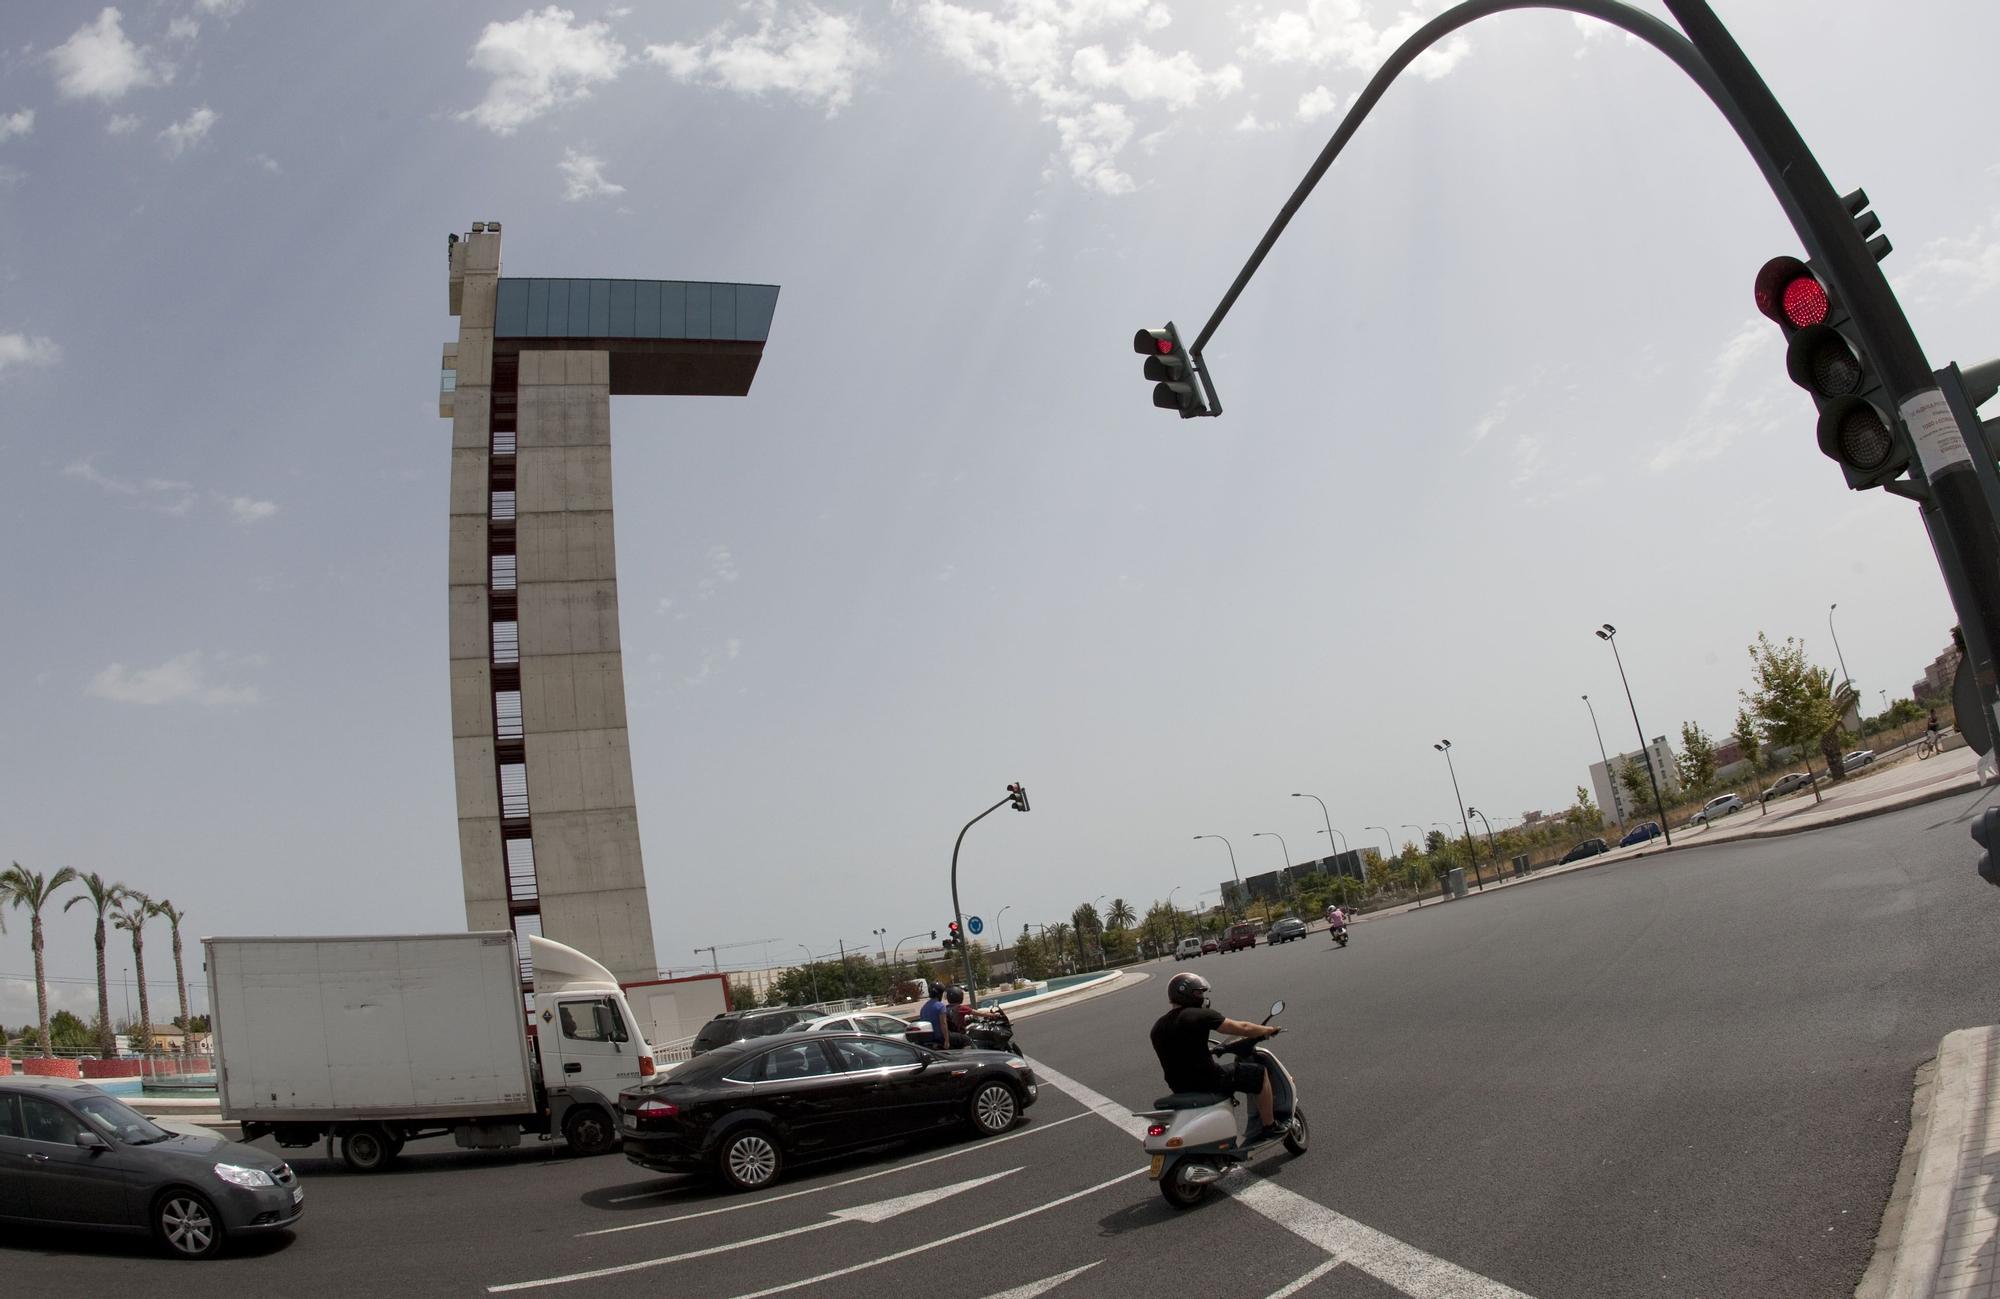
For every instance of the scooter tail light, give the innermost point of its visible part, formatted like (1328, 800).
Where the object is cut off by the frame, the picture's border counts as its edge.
(1156, 1129)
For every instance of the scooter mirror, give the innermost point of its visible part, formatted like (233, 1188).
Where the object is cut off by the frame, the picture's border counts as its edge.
(1277, 1008)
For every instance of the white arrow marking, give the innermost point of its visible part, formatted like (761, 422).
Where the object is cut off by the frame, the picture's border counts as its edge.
(880, 1211)
(883, 1210)
(1033, 1288)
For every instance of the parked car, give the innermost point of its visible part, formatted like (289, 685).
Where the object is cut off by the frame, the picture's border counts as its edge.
(1190, 947)
(73, 1155)
(1640, 834)
(1285, 929)
(1857, 759)
(867, 1021)
(746, 1110)
(1785, 784)
(740, 1025)
(1239, 936)
(1210, 946)
(1720, 805)
(1588, 848)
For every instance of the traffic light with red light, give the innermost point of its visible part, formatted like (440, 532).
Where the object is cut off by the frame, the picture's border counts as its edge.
(1171, 371)
(1823, 355)
(953, 938)
(1019, 796)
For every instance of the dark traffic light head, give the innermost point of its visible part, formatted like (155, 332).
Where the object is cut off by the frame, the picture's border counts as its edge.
(1018, 795)
(1171, 371)
(1986, 833)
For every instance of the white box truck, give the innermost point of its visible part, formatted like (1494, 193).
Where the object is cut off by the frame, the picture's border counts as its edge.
(380, 1040)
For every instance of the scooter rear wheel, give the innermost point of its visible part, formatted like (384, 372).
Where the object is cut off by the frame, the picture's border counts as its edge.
(1298, 1138)
(1178, 1190)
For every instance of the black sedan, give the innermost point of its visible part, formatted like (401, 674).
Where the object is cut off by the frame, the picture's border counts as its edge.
(745, 1110)
(73, 1155)
(1588, 848)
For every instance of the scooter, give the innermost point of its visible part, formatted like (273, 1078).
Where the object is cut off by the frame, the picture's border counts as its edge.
(1339, 933)
(1194, 1137)
(996, 1034)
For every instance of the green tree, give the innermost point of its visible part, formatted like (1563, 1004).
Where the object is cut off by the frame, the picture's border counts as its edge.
(1120, 914)
(103, 898)
(1583, 815)
(1030, 958)
(31, 891)
(1696, 759)
(68, 1033)
(1089, 932)
(1841, 696)
(1789, 698)
(1636, 781)
(1745, 735)
(134, 910)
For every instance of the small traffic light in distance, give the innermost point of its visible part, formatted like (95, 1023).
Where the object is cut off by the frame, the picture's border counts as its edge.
(1020, 796)
(1823, 355)
(1986, 833)
(1170, 370)
(952, 936)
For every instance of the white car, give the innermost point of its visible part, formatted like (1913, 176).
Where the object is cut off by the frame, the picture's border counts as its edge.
(1721, 805)
(866, 1021)
(1857, 759)
(1187, 947)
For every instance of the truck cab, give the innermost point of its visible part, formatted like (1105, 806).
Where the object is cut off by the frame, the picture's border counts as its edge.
(588, 1044)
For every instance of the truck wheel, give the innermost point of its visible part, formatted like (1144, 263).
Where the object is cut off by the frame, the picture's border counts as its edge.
(748, 1160)
(185, 1224)
(367, 1148)
(589, 1131)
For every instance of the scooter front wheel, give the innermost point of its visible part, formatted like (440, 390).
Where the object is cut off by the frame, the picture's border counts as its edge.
(1179, 1188)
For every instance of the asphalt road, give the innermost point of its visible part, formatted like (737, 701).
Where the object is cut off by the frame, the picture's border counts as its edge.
(1687, 1074)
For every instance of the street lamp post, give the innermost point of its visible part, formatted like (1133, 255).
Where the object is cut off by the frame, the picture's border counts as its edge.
(1177, 915)
(1609, 635)
(1100, 927)
(1493, 847)
(1409, 825)
(1328, 819)
(1610, 778)
(1842, 658)
(1232, 862)
(1472, 852)
(1285, 872)
(812, 970)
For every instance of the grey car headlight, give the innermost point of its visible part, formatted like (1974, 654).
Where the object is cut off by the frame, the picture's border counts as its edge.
(238, 1175)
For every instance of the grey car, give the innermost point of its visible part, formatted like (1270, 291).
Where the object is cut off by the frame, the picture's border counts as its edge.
(1785, 784)
(73, 1155)
(1285, 929)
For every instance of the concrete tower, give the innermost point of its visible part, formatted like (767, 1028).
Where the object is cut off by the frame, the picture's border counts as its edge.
(548, 826)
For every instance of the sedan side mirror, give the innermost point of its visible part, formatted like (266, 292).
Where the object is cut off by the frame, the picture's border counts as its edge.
(88, 1140)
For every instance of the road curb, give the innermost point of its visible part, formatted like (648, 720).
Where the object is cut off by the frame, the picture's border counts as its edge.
(1084, 992)
(1959, 1098)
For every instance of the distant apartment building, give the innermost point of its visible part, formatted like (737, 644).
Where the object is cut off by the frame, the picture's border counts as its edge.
(1935, 683)
(1615, 801)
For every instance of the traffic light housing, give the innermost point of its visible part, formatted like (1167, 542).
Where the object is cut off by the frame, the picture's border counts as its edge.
(1018, 794)
(1823, 355)
(1986, 833)
(1171, 371)
(953, 938)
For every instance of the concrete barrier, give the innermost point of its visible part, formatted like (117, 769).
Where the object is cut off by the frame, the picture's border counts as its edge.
(122, 1068)
(37, 1067)
(6, 1066)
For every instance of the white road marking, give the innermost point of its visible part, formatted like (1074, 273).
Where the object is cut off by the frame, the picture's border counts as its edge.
(987, 1144)
(942, 1240)
(1405, 1267)
(1042, 1287)
(879, 1212)
(1305, 1280)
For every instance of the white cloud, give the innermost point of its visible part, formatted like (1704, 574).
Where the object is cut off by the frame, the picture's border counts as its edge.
(1091, 141)
(1725, 414)
(98, 62)
(1953, 267)
(721, 572)
(183, 678)
(811, 55)
(221, 8)
(268, 163)
(246, 510)
(123, 124)
(188, 132)
(1317, 103)
(20, 123)
(27, 351)
(583, 177)
(539, 62)
(1340, 33)
(1250, 123)
(1144, 74)
(183, 29)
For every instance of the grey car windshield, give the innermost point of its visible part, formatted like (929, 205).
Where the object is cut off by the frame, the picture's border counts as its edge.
(116, 1119)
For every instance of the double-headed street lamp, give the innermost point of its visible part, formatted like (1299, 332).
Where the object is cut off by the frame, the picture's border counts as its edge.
(1330, 831)
(1232, 862)
(1472, 853)
(1609, 635)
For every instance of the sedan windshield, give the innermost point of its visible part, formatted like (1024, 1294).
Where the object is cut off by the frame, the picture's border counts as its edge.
(116, 1119)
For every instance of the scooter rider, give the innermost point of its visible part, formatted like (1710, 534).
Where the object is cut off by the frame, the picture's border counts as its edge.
(933, 1014)
(957, 1014)
(1180, 1040)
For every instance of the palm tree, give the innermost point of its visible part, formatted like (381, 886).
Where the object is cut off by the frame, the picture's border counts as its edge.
(1841, 695)
(21, 887)
(103, 897)
(1121, 914)
(134, 910)
(173, 915)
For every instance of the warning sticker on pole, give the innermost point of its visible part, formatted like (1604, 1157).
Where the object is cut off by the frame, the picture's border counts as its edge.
(1935, 431)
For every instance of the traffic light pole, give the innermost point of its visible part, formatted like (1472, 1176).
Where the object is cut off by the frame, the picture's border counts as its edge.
(1963, 529)
(965, 949)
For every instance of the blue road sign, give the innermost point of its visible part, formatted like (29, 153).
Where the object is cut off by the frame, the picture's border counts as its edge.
(974, 924)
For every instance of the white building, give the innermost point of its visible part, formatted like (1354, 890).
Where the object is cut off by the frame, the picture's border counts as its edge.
(1615, 801)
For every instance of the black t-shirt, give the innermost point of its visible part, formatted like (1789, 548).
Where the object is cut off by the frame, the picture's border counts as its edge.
(1180, 1039)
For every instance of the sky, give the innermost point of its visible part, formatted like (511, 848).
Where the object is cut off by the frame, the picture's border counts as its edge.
(1501, 382)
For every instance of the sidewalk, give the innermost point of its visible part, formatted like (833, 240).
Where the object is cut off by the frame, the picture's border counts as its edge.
(1948, 1243)
(1905, 785)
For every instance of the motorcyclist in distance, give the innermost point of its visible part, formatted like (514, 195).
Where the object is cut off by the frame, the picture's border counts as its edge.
(1180, 1040)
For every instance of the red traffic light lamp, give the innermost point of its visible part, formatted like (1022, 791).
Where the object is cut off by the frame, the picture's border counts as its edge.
(1823, 355)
